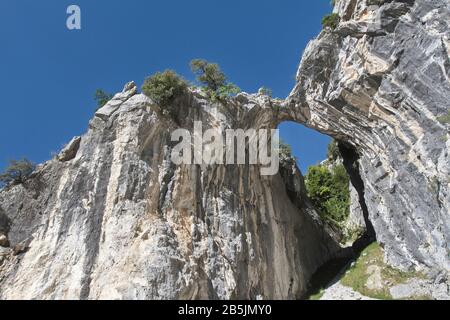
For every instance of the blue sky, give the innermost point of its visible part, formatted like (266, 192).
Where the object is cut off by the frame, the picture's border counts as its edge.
(48, 74)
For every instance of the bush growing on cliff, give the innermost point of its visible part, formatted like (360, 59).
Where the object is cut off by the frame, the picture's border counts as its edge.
(333, 151)
(17, 172)
(102, 98)
(216, 85)
(285, 151)
(328, 190)
(208, 74)
(163, 88)
(444, 119)
(331, 21)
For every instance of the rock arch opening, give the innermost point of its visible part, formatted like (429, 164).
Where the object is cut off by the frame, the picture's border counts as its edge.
(333, 182)
(326, 156)
(350, 161)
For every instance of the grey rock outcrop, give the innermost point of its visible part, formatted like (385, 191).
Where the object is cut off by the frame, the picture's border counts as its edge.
(378, 83)
(121, 221)
(70, 151)
(116, 219)
(355, 220)
(3, 241)
(420, 288)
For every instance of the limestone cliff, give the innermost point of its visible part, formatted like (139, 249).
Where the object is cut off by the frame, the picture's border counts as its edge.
(379, 84)
(111, 217)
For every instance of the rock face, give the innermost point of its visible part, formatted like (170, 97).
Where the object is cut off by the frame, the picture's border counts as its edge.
(355, 220)
(379, 84)
(70, 151)
(112, 217)
(118, 220)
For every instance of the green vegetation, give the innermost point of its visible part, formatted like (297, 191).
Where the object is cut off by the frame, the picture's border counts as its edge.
(285, 150)
(266, 91)
(208, 74)
(356, 277)
(445, 119)
(327, 186)
(17, 171)
(350, 235)
(328, 190)
(333, 151)
(163, 88)
(214, 80)
(331, 21)
(102, 98)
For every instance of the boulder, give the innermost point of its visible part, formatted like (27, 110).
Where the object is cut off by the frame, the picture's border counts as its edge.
(4, 242)
(70, 150)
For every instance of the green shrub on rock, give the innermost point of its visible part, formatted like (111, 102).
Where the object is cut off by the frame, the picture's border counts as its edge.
(214, 80)
(285, 149)
(331, 21)
(329, 192)
(102, 98)
(163, 88)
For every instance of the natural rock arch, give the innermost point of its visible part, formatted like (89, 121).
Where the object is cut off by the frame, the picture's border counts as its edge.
(381, 94)
(116, 222)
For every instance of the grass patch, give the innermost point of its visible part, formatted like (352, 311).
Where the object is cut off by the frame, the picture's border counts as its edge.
(356, 276)
(318, 295)
(351, 235)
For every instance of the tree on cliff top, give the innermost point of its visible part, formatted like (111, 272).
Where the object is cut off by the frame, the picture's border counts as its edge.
(163, 88)
(102, 98)
(211, 76)
(17, 171)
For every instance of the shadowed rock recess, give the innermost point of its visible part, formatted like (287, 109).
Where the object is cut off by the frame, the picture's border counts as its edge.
(112, 217)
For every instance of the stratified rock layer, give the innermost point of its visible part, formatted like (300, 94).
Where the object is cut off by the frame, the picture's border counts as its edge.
(112, 217)
(379, 83)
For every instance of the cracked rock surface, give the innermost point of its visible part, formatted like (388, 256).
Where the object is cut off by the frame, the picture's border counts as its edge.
(118, 220)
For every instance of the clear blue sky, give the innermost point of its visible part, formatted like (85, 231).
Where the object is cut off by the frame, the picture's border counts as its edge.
(48, 74)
